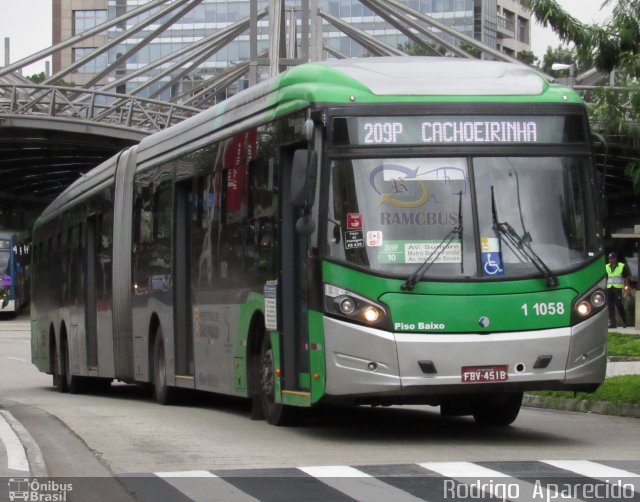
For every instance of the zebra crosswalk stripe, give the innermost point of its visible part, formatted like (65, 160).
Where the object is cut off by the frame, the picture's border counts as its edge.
(357, 484)
(204, 485)
(591, 469)
(497, 484)
(597, 471)
(503, 480)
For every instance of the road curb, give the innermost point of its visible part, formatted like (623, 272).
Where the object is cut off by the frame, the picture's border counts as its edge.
(582, 405)
(37, 466)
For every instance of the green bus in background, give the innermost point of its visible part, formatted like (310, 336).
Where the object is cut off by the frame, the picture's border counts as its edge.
(369, 231)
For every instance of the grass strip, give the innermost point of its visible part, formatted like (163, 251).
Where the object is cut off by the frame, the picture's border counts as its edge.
(624, 389)
(624, 345)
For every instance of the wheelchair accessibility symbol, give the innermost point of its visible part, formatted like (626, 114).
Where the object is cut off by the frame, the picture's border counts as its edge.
(492, 263)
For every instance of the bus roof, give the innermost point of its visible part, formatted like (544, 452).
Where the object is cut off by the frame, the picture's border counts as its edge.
(406, 79)
(441, 76)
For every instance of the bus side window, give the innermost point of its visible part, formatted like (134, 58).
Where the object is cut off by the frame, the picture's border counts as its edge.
(142, 236)
(234, 212)
(203, 232)
(74, 264)
(161, 256)
(262, 230)
(104, 249)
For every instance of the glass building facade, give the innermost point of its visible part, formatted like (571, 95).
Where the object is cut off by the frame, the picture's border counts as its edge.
(474, 18)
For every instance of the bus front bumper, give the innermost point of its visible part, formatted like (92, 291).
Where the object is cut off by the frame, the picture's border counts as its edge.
(363, 361)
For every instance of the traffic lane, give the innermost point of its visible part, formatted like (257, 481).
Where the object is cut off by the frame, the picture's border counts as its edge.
(133, 434)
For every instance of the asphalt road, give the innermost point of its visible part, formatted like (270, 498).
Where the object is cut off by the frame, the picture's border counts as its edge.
(123, 433)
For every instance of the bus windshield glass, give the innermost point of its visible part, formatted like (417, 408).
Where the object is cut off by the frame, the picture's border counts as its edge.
(5, 258)
(393, 214)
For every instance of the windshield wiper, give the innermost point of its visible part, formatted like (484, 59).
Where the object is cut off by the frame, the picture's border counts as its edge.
(521, 245)
(456, 231)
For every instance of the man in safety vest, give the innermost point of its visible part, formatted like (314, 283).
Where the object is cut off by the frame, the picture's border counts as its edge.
(617, 278)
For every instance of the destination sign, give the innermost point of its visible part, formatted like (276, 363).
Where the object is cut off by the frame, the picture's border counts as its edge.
(459, 130)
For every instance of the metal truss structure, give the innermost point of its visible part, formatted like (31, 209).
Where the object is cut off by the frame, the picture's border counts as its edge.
(98, 112)
(291, 42)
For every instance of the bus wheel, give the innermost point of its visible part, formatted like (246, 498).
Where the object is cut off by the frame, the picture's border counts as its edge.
(498, 410)
(59, 381)
(72, 383)
(162, 393)
(275, 413)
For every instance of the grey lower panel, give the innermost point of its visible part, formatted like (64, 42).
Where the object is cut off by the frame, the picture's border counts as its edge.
(362, 360)
(351, 353)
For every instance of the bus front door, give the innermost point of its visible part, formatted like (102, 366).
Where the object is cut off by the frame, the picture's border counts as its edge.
(182, 286)
(293, 277)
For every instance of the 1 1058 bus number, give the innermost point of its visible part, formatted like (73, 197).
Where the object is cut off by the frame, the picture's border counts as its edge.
(544, 309)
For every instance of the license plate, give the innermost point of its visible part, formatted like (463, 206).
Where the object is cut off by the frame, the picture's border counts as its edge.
(478, 374)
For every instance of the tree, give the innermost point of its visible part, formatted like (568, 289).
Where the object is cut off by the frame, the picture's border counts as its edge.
(38, 78)
(614, 46)
(415, 49)
(471, 50)
(561, 54)
(527, 57)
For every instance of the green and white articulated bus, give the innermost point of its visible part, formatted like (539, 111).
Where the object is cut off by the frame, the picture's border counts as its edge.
(371, 231)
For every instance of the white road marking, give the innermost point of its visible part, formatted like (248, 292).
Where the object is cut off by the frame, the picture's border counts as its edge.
(16, 456)
(204, 485)
(357, 484)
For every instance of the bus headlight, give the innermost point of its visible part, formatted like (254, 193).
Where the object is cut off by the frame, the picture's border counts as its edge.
(598, 298)
(583, 309)
(592, 302)
(371, 314)
(349, 305)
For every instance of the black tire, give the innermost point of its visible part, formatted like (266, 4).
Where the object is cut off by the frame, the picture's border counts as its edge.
(162, 393)
(73, 384)
(58, 371)
(499, 410)
(98, 385)
(275, 413)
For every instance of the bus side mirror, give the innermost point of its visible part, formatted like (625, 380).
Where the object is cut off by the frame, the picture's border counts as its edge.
(303, 178)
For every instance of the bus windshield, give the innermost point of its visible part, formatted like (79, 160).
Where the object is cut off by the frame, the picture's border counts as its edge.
(5, 257)
(394, 214)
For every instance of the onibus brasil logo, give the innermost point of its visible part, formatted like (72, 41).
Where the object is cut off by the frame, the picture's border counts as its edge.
(33, 490)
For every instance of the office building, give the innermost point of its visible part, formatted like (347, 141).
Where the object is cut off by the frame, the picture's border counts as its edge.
(500, 24)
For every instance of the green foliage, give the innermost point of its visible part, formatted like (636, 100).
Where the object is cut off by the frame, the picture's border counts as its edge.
(471, 50)
(428, 49)
(37, 78)
(624, 345)
(616, 45)
(618, 390)
(527, 57)
(568, 28)
(561, 54)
